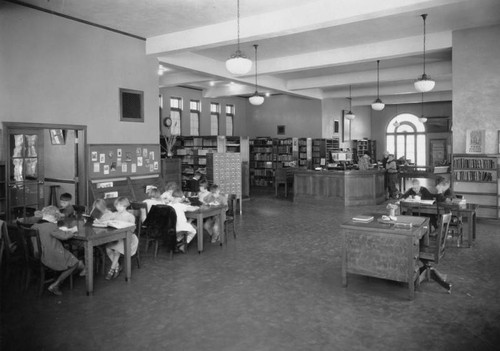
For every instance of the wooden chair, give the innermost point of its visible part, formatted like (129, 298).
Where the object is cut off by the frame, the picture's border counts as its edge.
(160, 226)
(12, 257)
(231, 209)
(280, 178)
(33, 249)
(433, 253)
(136, 209)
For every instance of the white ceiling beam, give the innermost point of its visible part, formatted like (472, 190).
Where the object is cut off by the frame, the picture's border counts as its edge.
(313, 15)
(182, 78)
(213, 68)
(373, 51)
(398, 88)
(435, 70)
(406, 99)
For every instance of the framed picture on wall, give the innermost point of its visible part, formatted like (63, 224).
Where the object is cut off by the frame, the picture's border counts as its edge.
(346, 128)
(57, 136)
(131, 105)
(281, 130)
(475, 141)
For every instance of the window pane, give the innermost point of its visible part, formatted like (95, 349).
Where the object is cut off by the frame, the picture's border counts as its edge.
(229, 125)
(422, 150)
(194, 105)
(390, 144)
(175, 115)
(195, 123)
(400, 146)
(214, 124)
(405, 128)
(176, 102)
(410, 148)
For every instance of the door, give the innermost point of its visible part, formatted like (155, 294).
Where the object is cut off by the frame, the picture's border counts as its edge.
(24, 172)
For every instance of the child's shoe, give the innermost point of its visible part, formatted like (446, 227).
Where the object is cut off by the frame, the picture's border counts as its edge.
(54, 289)
(110, 274)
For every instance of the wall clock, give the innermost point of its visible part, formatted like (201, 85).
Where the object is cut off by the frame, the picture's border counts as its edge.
(167, 122)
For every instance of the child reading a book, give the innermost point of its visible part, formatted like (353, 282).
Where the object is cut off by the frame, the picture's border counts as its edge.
(115, 249)
(154, 199)
(182, 225)
(169, 190)
(66, 207)
(212, 225)
(204, 192)
(100, 211)
(54, 255)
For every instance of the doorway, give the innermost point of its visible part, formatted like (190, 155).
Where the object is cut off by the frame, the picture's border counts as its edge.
(43, 161)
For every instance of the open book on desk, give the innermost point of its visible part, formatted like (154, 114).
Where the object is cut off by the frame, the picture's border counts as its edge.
(423, 202)
(113, 224)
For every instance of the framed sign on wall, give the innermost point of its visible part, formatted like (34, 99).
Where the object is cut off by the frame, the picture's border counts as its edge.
(131, 105)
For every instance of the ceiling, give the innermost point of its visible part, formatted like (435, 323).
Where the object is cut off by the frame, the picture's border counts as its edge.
(307, 48)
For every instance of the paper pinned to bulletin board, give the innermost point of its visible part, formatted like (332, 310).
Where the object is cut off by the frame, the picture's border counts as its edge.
(123, 160)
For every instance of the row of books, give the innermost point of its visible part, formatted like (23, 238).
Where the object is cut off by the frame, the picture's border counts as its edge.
(474, 176)
(474, 163)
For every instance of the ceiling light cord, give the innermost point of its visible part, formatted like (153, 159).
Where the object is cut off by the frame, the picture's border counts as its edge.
(238, 25)
(424, 16)
(255, 46)
(378, 79)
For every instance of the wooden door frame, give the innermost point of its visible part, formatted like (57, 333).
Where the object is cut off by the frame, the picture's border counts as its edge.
(82, 180)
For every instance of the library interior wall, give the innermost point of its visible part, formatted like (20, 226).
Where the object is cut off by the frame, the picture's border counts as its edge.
(381, 119)
(301, 117)
(239, 122)
(476, 85)
(55, 70)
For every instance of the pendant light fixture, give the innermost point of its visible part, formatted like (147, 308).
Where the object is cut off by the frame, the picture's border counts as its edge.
(422, 118)
(378, 105)
(425, 83)
(256, 98)
(349, 115)
(238, 63)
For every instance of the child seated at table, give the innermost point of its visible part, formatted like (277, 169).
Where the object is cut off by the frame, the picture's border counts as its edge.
(182, 225)
(212, 224)
(66, 207)
(443, 191)
(115, 249)
(204, 192)
(54, 255)
(154, 199)
(169, 190)
(100, 211)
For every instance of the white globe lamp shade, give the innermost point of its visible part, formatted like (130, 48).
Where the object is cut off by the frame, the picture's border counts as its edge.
(238, 64)
(350, 116)
(256, 99)
(422, 119)
(424, 84)
(378, 105)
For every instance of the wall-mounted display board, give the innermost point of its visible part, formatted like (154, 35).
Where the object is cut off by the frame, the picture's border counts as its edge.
(123, 160)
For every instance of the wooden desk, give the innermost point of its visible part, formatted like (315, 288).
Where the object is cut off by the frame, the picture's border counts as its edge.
(468, 212)
(205, 212)
(95, 236)
(382, 251)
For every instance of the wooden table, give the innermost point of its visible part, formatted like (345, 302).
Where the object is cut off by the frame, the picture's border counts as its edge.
(205, 212)
(95, 236)
(469, 212)
(383, 251)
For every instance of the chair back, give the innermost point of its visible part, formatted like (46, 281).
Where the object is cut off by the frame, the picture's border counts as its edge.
(161, 224)
(231, 205)
(444, 223)
(280, 175)
(136, 209)
(31, 240)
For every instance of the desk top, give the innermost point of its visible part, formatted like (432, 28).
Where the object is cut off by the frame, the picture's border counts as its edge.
(206, 209)
(376, 226)
(444, 205)
(87, 231)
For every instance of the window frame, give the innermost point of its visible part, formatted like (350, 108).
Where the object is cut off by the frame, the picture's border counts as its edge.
(391, 132)
(230, 113)
(214, 113)
(197, 112)
(173, 128)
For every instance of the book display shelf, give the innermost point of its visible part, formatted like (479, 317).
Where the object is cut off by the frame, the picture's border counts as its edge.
(262, 162)
(475, 177)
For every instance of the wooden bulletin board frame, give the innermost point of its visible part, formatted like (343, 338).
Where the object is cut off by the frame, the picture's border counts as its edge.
(123, 160)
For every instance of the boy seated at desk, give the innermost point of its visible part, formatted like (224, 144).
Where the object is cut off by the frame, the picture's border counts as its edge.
(66, 207)
(204, 192)
(418, 191)
(444, 193)
(215, 198)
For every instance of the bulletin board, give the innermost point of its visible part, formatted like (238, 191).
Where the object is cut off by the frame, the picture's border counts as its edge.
(123, 160)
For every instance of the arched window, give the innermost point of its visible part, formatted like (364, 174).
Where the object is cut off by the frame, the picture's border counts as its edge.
(406, 137)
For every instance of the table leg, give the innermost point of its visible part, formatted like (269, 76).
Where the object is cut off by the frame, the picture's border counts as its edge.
(89, 264)
(200, 232)
(222, 220)
(473, 219)
(127, 261)
(344, 263)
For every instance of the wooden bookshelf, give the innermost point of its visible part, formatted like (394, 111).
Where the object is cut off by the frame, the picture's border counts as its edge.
(476, 178)
(262, 162)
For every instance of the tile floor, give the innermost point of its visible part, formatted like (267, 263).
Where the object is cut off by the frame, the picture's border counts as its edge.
(276, 287)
